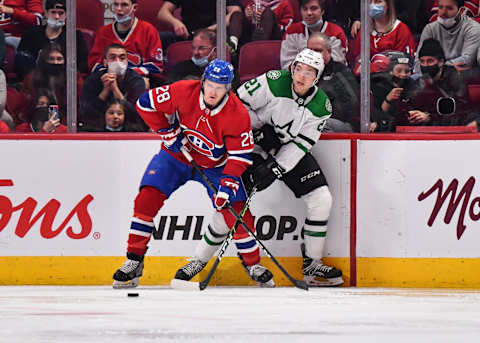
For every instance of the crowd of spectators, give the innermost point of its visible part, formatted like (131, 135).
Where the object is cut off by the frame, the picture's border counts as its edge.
(424, 54)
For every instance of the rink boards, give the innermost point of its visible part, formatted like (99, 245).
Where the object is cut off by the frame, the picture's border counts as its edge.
(405, 212)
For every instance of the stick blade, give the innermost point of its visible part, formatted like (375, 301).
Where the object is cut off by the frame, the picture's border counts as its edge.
(184, 285)
(302, 284)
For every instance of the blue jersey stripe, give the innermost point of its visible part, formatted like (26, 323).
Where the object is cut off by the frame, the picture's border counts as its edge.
(141, 227)
(144, 101)
(246, 245)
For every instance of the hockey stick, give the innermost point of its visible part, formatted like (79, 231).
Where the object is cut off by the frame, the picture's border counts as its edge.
(190, 285)
(297, 283)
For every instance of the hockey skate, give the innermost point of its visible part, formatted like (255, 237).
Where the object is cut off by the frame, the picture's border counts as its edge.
(191, 269)
(258, 273)
(316, 274)
(128, 274)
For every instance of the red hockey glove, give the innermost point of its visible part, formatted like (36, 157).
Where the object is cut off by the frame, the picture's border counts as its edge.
(226, 190)
(172, 137)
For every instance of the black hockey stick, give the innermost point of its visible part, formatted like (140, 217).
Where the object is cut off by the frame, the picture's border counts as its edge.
(190, 285)
(203, 284)
(297, 283)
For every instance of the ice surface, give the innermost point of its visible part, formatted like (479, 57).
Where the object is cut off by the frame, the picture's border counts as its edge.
(230, 315)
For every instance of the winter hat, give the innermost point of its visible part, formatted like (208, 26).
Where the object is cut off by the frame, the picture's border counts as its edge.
(431, 47)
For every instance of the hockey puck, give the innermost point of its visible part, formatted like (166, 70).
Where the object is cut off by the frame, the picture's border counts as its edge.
(132, 294)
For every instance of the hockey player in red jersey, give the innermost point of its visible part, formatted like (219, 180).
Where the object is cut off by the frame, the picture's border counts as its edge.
(140, 39)
(209, 121)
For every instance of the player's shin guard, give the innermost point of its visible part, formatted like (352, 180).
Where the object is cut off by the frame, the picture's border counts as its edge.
(247, 246)
(210, 242)
(147, 204)
(319, 203)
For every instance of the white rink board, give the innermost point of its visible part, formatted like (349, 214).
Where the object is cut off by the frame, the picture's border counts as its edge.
(392, 221)
(110, 172)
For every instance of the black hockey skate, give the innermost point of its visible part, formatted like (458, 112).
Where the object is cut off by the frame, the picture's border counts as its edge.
(128, 274)
(258, 273)
(191, 269)
(317, 274)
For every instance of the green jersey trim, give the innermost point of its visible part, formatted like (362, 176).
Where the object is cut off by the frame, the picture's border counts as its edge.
(280, 83)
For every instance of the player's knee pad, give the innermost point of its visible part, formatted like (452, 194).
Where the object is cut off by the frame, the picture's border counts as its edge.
(230, 220)
(148, 202)
(318, 202)
(219, 225)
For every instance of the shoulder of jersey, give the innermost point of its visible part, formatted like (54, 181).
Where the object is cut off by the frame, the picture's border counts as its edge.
(295, 28)
(279, 82)
(320, 105)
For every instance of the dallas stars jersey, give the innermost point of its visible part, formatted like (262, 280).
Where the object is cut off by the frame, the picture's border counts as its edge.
(298, 121)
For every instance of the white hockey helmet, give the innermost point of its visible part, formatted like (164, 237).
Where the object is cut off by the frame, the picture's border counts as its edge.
(313, 59)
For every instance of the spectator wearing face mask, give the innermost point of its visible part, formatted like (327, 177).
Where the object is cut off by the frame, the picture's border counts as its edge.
(113, 81)
(50, 74)
(33, 39)
(458, 34)
(40, 118)
(138, 37)
(297, 34)
(444, 99)
(388, 32)
(392, 90)
(203, 51)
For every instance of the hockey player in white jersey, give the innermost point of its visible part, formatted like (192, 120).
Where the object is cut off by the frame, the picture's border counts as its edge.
(288, 113)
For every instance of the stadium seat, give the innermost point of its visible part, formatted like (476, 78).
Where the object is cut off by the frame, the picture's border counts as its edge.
(177, 52)
(17, 105)
(9, 62)
(88, 36)
(90, 14)
(474, 93)
(257, 58)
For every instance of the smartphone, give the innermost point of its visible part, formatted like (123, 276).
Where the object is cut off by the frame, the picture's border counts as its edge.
(53, 110)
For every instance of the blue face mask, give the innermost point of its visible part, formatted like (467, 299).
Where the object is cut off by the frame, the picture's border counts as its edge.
(311, 26)
(202, 61)
(376, 11)
(123, 20)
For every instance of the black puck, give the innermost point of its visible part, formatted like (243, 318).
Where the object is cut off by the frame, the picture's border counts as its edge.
(132, 294)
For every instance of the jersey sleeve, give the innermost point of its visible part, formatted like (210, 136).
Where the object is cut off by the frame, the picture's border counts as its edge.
(32, 16)
(153, 61)
(156, 107)
(238, 140)
(291, 153)
(98, 49)
(255, 94)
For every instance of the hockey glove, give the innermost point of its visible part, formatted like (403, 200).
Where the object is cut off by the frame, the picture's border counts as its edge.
(263, 173)
(172, 137)
(267, 139)
(226, 190)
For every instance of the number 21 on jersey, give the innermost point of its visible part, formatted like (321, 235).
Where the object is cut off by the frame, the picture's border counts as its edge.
(251, 86)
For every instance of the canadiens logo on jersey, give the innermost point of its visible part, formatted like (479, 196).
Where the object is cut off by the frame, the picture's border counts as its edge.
(204, 145)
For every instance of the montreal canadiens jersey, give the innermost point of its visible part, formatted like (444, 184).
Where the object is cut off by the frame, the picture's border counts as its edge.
(216, 137)
(298, 121)
(26, 13)
(143, 45)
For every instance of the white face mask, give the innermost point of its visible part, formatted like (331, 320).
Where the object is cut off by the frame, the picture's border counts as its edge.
(311, 26)
(55, 24)
(117, 67)
(125, 19)
(448, 22)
